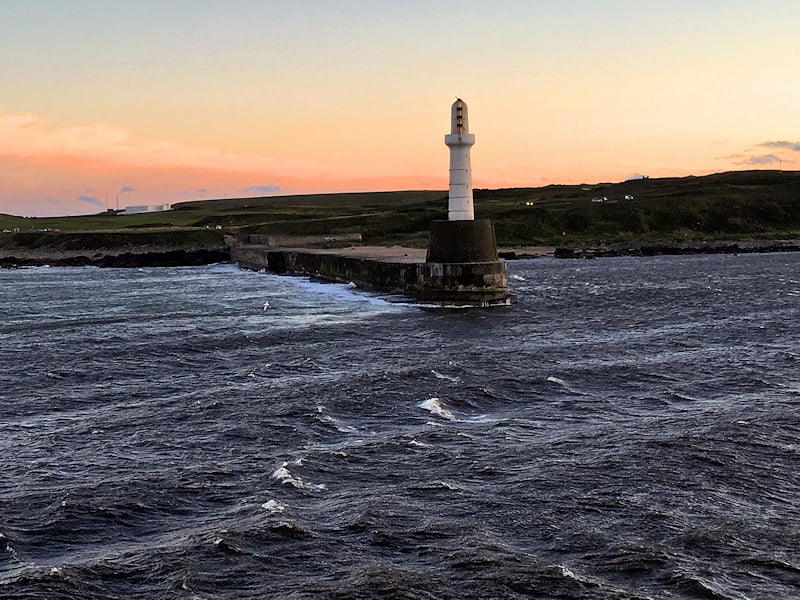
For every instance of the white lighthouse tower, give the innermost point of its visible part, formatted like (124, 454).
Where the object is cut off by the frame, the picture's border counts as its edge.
(462, 266)
(460, 140)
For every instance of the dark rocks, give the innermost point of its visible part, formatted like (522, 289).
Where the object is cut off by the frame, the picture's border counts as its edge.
(171, 258)
(149, 258)
(742, 247)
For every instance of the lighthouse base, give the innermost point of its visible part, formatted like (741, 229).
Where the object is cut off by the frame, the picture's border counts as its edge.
(462, 268)
(462, 242)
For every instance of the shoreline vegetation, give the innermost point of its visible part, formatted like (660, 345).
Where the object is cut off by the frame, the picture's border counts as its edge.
(735, 212)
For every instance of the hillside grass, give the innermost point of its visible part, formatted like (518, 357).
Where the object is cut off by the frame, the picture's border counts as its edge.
(735, 205)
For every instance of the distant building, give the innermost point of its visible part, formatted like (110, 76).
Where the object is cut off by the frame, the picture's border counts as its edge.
(146, 208)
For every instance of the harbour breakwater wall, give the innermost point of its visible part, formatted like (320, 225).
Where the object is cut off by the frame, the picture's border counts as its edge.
(481, 283)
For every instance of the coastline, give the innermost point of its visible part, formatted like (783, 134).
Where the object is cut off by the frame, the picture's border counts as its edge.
(174, 256)
(679, 248)
(126, 257)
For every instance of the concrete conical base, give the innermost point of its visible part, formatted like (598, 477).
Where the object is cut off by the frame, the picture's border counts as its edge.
(462, 242)
(462, 265)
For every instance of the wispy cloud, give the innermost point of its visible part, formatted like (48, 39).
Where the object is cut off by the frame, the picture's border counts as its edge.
(782, 145)
(91, 200)
(30, 136)
(762, 159)
(261, 189)
(750, 157)
(39, 158)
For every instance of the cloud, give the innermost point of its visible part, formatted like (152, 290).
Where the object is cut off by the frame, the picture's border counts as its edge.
(127, 188)
(261, 189)
(748, 158)
(90, 200)
(782, 145)
(40, 158)
(53, 201)
(763, 159)
(29, 136)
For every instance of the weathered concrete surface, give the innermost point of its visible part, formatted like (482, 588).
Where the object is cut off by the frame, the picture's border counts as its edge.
(304, 241)
(462, 242)
(463, 283)
(399, 277)
(393, 270)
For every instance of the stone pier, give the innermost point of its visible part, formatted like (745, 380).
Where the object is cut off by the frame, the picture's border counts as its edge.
(401, 271)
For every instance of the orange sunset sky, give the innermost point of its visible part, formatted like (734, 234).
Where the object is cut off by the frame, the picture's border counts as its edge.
(162, 101)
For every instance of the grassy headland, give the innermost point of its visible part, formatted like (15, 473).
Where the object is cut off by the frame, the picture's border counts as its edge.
(757, 205)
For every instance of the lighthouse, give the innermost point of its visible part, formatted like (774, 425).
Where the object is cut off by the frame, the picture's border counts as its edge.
(460, 140)
(462, 266)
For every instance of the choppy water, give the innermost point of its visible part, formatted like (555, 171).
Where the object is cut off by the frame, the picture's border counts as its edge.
(630, 429)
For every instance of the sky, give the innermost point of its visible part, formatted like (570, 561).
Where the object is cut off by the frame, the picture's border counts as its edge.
(107, 103)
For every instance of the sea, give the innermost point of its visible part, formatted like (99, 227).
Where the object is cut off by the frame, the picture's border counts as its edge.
(630, 429)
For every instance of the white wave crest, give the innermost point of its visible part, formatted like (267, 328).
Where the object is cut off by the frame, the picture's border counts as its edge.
(283, 475)
(568, 573)
(445, 377)
(273, 506)
(340, 427)
(435, 406)
(565, 385)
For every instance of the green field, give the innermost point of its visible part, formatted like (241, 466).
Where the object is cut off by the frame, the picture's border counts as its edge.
(732, 206)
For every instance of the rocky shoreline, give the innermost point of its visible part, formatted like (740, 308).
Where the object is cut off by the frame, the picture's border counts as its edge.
(146, 256)
(682, 248)
(153, 256)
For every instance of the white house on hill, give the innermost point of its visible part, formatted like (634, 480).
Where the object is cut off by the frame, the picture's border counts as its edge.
(146, 208)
